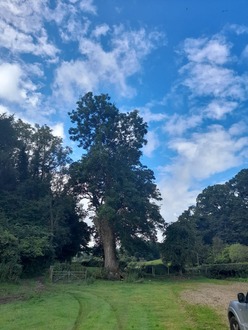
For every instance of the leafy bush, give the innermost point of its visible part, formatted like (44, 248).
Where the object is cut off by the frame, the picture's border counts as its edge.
(74, 266)
(238, 253)
(133, 276)
(10, 272)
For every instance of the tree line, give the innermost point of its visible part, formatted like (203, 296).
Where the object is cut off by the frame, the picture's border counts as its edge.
(215, 230)
(39, 217)
(41, 189)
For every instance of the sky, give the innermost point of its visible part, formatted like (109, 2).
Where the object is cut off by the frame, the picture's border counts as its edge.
(183, 64)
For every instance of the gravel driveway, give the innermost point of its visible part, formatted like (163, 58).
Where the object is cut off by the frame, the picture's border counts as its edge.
(216, 296)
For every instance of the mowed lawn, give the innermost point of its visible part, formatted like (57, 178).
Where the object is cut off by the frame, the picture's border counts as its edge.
(106, 305)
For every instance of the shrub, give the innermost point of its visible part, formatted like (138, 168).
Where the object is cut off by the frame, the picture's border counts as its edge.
(10, 271)
(238, 253)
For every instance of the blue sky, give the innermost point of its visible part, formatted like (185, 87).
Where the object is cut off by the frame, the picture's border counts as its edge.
(182, 64)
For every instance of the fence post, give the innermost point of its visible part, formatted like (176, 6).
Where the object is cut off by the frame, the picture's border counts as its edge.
(51, 273)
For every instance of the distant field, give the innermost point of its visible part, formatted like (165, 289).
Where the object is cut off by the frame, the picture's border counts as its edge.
(107, 305)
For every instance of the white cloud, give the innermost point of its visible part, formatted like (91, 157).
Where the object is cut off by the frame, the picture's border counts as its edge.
(208, 153)
(26, 16)
(207, 74)
(149, 116)
(100, 30)
(238, 29)
(21, 28)
(106, 68)
(238, 128)
(10, 80)
(215, 51)
(177, 124)
(217, 109)
(88, 6)
(215, 89)
(58, 130)
(177, 196)
(152, 143)
(214, 81)
(198, 158)
(4, 109)
(74, 77)
(16, 86)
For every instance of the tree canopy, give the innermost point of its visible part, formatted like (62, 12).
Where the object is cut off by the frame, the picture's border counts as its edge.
(217, 223)
(39, 218)
(119, 189)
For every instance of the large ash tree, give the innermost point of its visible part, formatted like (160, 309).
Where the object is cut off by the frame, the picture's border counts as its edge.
(120, 190)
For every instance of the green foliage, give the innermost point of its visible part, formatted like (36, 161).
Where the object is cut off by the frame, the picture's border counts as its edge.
(225, 270)
(230, 254)
(39, 220)
(238, 252)
(133, 276)
(93, 262)
(73, 266)
(221, 211)
(155, 270)
(10, 265)
(223, 257)
(181, 245)
(140, 249)
(120, 190)
(219, 219)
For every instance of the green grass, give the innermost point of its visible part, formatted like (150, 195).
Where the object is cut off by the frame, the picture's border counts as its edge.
(150, 263)
(106, 305)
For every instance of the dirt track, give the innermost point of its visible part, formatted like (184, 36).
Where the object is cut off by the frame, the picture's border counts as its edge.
(216, 296)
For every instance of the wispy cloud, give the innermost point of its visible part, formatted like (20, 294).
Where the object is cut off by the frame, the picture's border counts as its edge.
(178, 124)
(149, 116)
(203, 142)
(88, 6)
(106, 67)
(197, 158)
(22, 30)
(207, 73)
(104, 57)
(211, 84)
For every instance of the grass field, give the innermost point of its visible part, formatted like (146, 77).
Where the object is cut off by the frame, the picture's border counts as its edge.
(105, 305)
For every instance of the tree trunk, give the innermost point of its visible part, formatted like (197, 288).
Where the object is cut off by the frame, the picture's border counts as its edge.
(107, 236)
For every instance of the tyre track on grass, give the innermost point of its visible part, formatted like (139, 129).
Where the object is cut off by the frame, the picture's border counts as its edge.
(80, 312)
(80, 315)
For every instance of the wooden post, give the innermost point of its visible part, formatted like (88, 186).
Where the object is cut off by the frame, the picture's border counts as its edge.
(51, 273)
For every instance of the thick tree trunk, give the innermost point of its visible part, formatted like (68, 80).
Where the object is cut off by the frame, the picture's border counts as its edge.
(107, 236)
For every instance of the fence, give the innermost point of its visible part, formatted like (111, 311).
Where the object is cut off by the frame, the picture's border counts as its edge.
(67, 275)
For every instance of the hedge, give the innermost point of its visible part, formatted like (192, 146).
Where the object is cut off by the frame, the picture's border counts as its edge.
(221, 270)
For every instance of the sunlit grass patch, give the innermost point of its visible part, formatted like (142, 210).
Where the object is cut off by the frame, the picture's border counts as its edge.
(106, 305)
